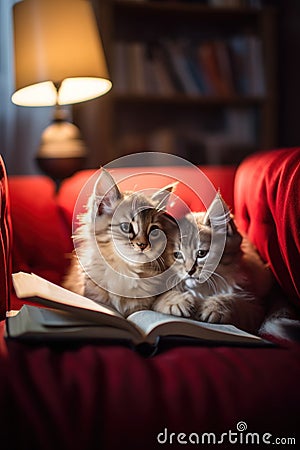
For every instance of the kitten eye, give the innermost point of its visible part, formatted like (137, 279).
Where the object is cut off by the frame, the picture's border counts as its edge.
(201, 253)
(154, 231)
(126, 227)
(178, 255)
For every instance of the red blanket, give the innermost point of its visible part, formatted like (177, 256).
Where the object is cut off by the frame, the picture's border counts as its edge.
(267, 205)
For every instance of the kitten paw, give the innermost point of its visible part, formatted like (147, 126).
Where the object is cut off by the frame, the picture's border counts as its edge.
(128, 306)
(176, 304)
(245, 313)
(214, 311)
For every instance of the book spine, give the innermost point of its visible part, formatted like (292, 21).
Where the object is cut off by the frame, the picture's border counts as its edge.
(120, 72)
(225, 67)
(180, 67)
(211, 70)
(196, 72)
(169, 64)
(160, 71)
(238, 53)
(136, 67)
(152, 80)
(256, 66)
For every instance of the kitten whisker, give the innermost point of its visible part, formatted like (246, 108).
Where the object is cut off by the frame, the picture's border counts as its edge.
(161, 262)
(172, 281)
(184, 236)
(208, 282)
(158, 264)
(216, 281)
(133, 204)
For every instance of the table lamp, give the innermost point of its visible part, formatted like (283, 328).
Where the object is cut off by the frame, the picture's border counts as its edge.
(59, 60)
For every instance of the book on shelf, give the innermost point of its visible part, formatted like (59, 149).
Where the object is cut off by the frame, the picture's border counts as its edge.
(167, 61)
(224, 65)
(136, 68)
(129, 68)
(69, 316)
(160, 72)
(215, 64)
(177, 50)
(120, 67)
(195, 68)
(214, 67)
(255, 66)
(248, 64)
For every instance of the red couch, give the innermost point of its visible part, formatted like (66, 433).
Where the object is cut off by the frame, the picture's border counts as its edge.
(109, 397)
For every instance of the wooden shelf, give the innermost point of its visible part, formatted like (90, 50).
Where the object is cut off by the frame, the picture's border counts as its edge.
(183, 99)
(157, 22)
(184, 8)
(176, 18)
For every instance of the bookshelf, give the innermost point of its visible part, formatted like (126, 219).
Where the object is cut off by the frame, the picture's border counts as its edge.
(202, 124)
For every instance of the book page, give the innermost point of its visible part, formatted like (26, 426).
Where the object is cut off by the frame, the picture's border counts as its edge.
(44, 292)
(29, 285)
(32, 323)
(157, 324)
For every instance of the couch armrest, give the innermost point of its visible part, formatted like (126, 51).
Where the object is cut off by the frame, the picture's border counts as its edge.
(5, 242)
(267, 205)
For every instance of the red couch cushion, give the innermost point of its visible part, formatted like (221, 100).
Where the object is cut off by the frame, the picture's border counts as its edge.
(101, 397)
(134, 178)
(41, 239)
(267, 205)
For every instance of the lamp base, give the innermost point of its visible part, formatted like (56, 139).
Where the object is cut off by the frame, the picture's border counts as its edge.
(60, 168)
(62, 150)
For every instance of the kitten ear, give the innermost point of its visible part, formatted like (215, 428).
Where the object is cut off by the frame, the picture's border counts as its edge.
(218, 213)
(162, 196)
(106, 191)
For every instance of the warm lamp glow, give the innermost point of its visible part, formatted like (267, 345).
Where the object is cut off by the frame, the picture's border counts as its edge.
(72, 90)
(59, 56)
(59, 60)
(40, 94)
(75, 90)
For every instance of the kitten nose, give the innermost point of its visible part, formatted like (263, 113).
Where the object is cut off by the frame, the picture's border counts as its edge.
(192, 270)
(142, 245)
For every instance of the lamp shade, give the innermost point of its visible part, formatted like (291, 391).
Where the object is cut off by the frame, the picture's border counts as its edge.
(59, 56)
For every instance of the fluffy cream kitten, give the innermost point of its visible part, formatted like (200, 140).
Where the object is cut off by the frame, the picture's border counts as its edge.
(124, 240)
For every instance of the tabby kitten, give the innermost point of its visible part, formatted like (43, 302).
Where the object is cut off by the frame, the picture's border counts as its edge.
(226, 291)
(123, 241)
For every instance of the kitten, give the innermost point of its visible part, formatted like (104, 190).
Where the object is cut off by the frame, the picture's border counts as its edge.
(124, 240)
(231, 292)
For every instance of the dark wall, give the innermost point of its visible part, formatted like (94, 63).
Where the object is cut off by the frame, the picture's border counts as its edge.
(289, 72)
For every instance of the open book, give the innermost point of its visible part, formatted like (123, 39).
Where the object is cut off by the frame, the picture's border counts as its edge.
(72, 316)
